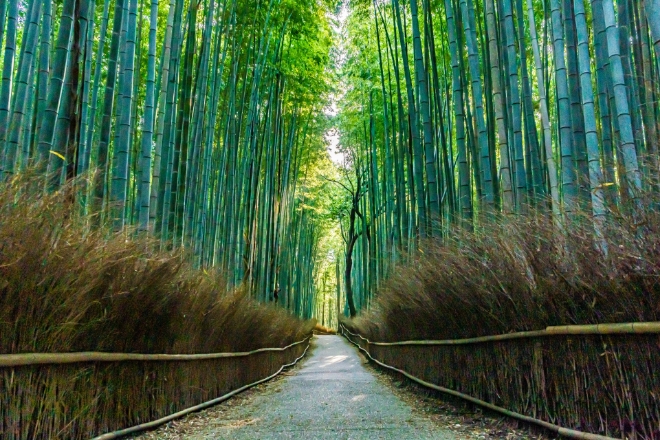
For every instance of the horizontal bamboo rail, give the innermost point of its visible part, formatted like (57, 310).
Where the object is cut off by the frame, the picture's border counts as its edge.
(565, 330)
(550, 426)
(25, 359)
(156, 423)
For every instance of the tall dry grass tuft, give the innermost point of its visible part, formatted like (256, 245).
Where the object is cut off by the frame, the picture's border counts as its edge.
(65, 287)
(521, 273)
(518, 273)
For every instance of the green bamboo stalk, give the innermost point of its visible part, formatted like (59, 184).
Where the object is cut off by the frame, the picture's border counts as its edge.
(545, 116)
(516, 110)
(568, 178)
(604, 93)
(55, 88)
(465, 196)
(6, 84)
(417, 168)
(577, 118)
(25, 69)
(86, 116)
(477, 92)
(632, 172)
(508, 204)
(42, 77)
(91, 122)
(589, 112)
(118, 191)
(100, 187)
(653, 19)
(155, 202)
(148, 124)
(424, 108)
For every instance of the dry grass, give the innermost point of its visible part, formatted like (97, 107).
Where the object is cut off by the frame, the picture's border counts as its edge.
(597, 384)
(519, 273)
(522, 273)
(65, 287)
(321, 330)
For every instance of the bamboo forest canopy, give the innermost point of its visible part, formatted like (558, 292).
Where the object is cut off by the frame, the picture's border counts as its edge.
(206, 124)
(197, 121)
(456, 112)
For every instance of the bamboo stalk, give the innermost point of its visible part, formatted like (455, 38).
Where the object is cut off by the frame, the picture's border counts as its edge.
(550, 426)
(595, 329)
(178, 415)
(25, 359)
(606, 329)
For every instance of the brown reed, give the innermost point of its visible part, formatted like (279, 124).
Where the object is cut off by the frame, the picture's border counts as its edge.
(521, 273)
(599, 384)
(524, 273)
(68, 287)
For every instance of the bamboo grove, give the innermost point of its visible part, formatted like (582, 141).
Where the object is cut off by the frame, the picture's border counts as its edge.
(195, 120)
(460, 110)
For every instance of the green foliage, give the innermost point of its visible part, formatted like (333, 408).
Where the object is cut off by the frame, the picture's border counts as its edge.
(440, 97)
(205, 135)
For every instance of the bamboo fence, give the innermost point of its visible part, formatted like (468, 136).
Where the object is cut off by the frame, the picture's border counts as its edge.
(83, 395)
(587, 381)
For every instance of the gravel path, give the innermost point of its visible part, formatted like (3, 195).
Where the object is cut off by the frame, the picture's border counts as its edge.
(332, 396)
(335, 394)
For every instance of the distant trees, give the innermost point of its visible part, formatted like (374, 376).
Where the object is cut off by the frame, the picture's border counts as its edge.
(353, 223)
